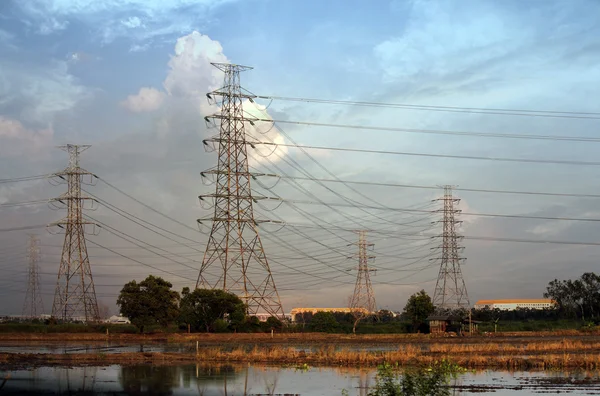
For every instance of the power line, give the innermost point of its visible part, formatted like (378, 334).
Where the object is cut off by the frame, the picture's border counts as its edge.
(32, 227)
(388, 152)
(24, 203)
(441, 132)
(25, 178)
(476, 110)
(384, 184)
(462, 213)
(149, 207)
(471, 237)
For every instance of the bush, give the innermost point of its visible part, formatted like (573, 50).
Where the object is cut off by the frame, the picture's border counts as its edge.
(220, 326)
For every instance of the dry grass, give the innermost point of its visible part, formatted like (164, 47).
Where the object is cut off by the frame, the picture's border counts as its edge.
(501, 352)
(535, 355)
(405, 355)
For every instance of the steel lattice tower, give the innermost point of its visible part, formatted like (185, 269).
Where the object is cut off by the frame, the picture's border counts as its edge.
(363, 296)
(234, 245)
(450, 290)
(33, 305)
(75, 295)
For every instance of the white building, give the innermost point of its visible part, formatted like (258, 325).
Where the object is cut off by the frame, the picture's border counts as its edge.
(118, 320)
(512, 304)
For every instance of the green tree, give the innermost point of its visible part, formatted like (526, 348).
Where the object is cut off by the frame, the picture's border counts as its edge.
(418, 308)
(385, 316)
(149, 302)
(323, 322)
(274, 323)
(580, 297)
(202, 308)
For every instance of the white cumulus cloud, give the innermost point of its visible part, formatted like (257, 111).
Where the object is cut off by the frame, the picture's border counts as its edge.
(147, 99)
(17, 140)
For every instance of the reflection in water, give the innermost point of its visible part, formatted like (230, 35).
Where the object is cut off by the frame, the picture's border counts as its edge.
(149, 380)
(248, 380)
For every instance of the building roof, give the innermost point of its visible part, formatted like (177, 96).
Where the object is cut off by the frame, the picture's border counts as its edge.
(515, 301)
(443, 317)
(300, 310)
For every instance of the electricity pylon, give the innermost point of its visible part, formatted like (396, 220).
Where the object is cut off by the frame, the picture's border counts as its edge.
(450, 290)
(363, 297)
(33, 305)
(75, 295)
(234, 247)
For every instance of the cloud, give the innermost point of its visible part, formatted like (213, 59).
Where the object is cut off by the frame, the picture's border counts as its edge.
(147, 99)
(190, 71)
(136, 20)
(38, 92)
(16, 140)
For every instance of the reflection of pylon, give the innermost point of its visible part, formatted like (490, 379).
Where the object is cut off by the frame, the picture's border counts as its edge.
(75, 295)
(363, 296)
(234, 245)
(450, 290)
(33, 306)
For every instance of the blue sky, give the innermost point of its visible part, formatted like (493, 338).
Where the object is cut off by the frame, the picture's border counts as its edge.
(129, 77)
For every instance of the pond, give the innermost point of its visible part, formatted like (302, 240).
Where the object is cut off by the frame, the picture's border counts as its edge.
(260, 380)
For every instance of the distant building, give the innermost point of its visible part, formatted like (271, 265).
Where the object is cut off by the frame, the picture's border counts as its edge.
(512, 304)
(118, 320)
(299, 311)
(264, 316)
(439, 324)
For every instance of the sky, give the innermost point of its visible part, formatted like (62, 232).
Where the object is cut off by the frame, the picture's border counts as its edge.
(130, 78)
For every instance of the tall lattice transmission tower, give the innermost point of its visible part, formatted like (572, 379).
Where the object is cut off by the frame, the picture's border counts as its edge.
(234, 246)
(33, 305)
(75, 295)
(450, 290)
(363, 296)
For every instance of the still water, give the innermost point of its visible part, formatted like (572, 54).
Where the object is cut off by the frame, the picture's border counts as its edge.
(260, 380)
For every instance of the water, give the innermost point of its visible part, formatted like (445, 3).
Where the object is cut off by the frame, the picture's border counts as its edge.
(260, 380)
(117, 347)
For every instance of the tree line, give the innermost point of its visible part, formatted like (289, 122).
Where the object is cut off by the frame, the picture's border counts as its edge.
(152, 302)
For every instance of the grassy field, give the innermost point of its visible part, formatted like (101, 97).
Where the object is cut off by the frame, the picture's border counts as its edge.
(565, 349)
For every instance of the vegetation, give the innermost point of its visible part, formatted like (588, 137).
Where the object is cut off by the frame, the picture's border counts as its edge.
(150, 302)
(485, 353)
(67, 328)
(417, 309)
(211, 310)
(429, 381)
(579, 298)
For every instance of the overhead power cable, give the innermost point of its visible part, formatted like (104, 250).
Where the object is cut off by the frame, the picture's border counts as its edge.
(440, 132)
(22, 179)
(24, 203)
(149, 207)
(479, 190)
(469, 157)
(32, 227)
(471, 237)
(454, 109)
(328, 204)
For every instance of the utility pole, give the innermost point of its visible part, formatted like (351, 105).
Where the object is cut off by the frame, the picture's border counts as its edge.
(450, 290)
(75, 295)
(234, 246)
(363, 296)
(33, 305)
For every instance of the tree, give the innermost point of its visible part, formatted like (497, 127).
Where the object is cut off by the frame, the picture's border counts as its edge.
(579, 297)
(149, 302)
(323, 322)
(418, 308)
(202, 308)
(274, 323)
(385, 316)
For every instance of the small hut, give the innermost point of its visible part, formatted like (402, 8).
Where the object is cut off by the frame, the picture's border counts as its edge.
(439, 324)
